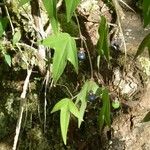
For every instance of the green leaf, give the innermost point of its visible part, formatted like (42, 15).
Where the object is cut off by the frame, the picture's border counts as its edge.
(16, 37)
(145, 43)
(64, 122)
(7, 59)
(3, 24)
(65, 49)
(104, 116)
(70, 7)
(59, 105)
(66, 107)
(73, 109)
(23, 2)
(146, 12)
(102, 44)
(89, 85)
(50, 6)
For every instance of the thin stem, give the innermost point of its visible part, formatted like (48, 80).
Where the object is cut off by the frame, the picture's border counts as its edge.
(85, 44)
(66, 89)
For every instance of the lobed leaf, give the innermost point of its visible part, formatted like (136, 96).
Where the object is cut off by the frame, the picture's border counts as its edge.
(65, 49)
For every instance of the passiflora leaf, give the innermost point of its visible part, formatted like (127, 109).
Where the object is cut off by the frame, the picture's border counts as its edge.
(102, 44)
(73, 109)
(104, 116)
(65, 49)
(89, 85)
(16, 37)
(3, 24)
(7, 59)
(50, 6)
(64, 122)
(70, 7)
(59, 105)
(66, 107)
(146, 12)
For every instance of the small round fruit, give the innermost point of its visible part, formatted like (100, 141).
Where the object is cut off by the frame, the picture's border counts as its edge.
(91, 96)
(81, 55)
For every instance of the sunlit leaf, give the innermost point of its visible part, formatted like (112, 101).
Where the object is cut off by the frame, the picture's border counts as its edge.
(70, 7)
(59, 105)
(144, 44)
(66, 107)
(16, 37)
(7, 59)
(104, 116)
(22, 2)
(50, 6)
(65, 49)
(3, 24)
(64, 122)
(102, 44)
(89, 85)
(73, 109)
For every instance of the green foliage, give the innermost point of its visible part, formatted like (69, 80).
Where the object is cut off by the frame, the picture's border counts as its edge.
(16, 37)
(70, 7)
(102, 44)
(144, 44)
(3, 24)
(104, 116)
(65, 49)
(23, 2)
(66, 107)
(7, 59)
(50, 6)
(146, 12)
(88, 86)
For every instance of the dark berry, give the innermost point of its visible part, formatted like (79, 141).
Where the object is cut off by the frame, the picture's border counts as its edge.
(81, 55)
(91, 96)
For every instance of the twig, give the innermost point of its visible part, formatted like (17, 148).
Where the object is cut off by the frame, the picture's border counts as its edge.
(83, 41)
(22, 102)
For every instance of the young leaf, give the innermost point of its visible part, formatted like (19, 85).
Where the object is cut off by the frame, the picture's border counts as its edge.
(16, 37)
(59, 105)
(7, 59)
(145, 43)
(66, 107)
(23, 2)
(146, 12)
(82, 97)
(65, 49)
(104, 116)
(70, 7)
(73, 109)
(50, 6)
(3, 24)
(102, 44)
(64, 122)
